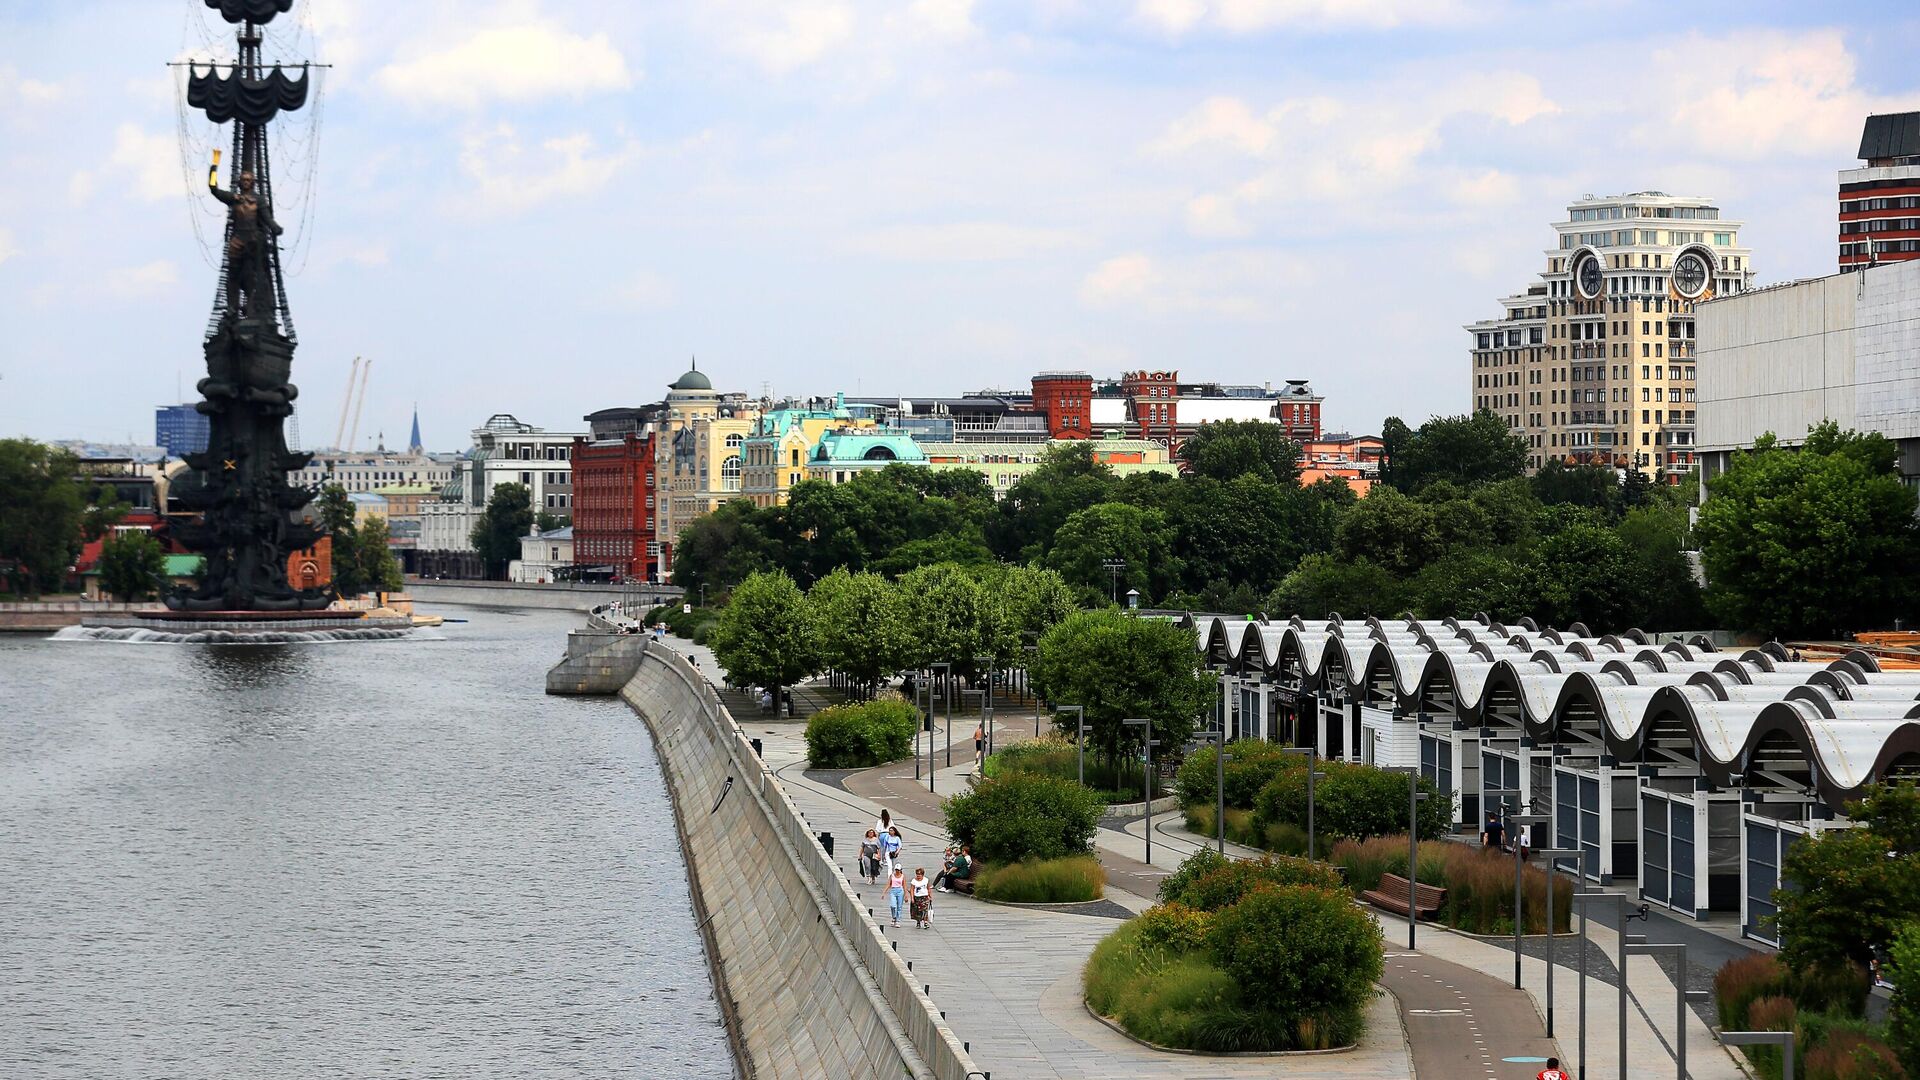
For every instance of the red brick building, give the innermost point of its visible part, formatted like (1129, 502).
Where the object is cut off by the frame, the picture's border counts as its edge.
(614, 504)
(1065, 398)
(1153, 403)
(1880, 201)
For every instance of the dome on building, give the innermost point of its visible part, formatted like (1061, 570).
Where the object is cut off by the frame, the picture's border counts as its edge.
(692, 380)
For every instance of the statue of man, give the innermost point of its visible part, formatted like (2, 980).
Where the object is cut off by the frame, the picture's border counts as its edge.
(249, 243)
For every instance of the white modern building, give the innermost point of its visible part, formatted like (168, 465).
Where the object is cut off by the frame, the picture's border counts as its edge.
(367, 471)
(1783, 359)
(543, 555)
(1674, 766)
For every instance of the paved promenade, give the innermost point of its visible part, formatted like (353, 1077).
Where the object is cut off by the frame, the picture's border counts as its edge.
(1009, 978)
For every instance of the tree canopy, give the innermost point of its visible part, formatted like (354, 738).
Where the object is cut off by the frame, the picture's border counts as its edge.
(1230, 449)
(133, 566)
(1813, 541)
(41, 510)
(507, 518)
(1464, 450)
(1120, 666)
(766, 634)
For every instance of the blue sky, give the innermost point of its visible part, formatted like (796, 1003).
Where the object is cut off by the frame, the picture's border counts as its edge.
(546, 207)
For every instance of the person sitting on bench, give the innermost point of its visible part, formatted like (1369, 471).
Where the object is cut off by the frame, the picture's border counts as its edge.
(958, 873)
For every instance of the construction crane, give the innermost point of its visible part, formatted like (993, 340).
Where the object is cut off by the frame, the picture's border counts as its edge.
(340, 432)
(353, 436)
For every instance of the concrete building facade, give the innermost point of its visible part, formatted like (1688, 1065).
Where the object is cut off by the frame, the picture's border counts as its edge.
(1783, 359)
(1595, 362)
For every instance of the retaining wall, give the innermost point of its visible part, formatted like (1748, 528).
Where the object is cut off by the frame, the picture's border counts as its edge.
(808, 982)
(597, 662)
(559, 597)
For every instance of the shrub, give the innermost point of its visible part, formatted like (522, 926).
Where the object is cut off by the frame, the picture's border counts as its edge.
(1240, 830)
(1903, 1013)
(1159, 995)
(1227, 885)
(1769, 1013)
(1175, 927)
(1058, 758)
(1252, 762)
(860, 736)
(1306, 953)
(1479, 883)
(1834, 986)
(1851, 1055)
(1742, 979)
(1353, 801)
(1069, 880)
(1025, 817)
(1191, 869)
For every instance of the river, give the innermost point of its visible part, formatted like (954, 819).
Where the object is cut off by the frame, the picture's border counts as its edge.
(359, 859)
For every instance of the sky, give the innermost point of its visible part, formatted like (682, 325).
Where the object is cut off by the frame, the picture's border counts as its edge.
(546, 207)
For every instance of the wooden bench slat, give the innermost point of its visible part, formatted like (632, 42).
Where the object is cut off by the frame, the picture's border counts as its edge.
(1392, 896)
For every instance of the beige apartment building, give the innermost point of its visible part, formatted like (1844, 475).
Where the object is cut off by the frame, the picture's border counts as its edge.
(697, 454)
(1594, 363)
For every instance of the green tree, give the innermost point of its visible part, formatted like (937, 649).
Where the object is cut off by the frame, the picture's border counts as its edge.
(335, 509)
(719, 550)
(41, 510)
(861, 623)
(133, 566)
(1810, 542)
(1068, 480)
(1246, 531)
(1323, 584)
(507, 518)
(1121, 666)
(376, 570)
(766, 635)
(1903, 1012)
(1036, 599)
(1596, 486)
(1582, 574)
(1390, 530)
(548, 521)
(1846, 893)
(951, 618)
(1463, 582)
(1140, 538)
(1466, 450)
(1229, 449)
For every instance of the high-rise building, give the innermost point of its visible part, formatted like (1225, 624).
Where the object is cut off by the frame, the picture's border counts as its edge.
(1880, 203)
(697, 460)
(179, 429)
(1594, 363)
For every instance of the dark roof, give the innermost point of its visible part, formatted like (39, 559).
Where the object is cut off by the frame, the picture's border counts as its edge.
(1890, 135)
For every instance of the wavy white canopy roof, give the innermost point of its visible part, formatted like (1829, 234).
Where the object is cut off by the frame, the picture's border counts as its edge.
(1833, 727)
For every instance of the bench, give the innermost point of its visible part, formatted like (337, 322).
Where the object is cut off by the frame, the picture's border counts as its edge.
(1392, 896)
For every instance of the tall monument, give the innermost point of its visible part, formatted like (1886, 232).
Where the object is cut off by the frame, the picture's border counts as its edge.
(244, 516)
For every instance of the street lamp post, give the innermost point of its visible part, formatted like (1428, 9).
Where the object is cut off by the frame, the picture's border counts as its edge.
(1079, 738)
(1521, 821)
(1414, 798)
(1781, 1039)
(1583, 901)
(1114, 568)
(1220, 759)
(946, 694)
(1313, 773)
(1637, 946)
(1550, 854)
(1147, 778)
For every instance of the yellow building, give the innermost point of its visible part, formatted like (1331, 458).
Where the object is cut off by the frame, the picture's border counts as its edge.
(697, 458)
(776, 455)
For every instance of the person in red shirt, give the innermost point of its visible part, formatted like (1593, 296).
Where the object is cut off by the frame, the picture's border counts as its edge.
(1553, 1071)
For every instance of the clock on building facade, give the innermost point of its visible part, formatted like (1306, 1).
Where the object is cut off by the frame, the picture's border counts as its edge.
(1586, 275)
(1690, 275)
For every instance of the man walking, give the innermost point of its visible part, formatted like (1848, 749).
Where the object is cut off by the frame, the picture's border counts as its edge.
(1553, 1071)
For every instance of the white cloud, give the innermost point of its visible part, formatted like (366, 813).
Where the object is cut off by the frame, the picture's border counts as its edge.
(150, 161)
(522, 62)
(1218, 120)
(507, 178)
(947, 18)
(1489, 187)
(964, 241)
(1227, 284)
(1784, 95)
(801, 34)
(7, 248)
(133, 282)
(1254, 16)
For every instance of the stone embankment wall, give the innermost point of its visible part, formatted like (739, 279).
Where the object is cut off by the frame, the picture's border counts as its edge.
(808, 982)
(514, 594)
(597, 662)
(39, 617)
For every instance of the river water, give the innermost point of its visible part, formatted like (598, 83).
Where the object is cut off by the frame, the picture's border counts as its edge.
(360, 859)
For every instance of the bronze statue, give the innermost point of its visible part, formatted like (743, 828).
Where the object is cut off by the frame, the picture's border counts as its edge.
(250, 233)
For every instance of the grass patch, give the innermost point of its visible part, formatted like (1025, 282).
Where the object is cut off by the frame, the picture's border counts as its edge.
(1057, 757)
(1070, 880)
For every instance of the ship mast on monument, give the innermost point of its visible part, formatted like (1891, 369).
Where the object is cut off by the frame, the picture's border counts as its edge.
(244, 516)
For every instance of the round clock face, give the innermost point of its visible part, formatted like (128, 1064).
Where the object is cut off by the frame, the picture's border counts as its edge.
(1587, 274)
(1690, 274)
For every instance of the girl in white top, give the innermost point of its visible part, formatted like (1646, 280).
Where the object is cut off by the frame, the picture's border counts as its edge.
(922, 889)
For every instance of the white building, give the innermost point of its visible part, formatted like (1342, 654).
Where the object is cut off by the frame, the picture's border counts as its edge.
(542, 556)
(366, 471)
(512, 452)
(1781, 360)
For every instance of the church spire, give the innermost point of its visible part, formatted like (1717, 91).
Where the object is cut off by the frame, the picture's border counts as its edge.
(413, 443)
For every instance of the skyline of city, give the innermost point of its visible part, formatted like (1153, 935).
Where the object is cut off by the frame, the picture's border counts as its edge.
(939, 200)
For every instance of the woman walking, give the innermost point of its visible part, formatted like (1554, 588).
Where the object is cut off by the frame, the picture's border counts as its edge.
(896, 892)
(890, 847)
(922, 899)
(870, 857)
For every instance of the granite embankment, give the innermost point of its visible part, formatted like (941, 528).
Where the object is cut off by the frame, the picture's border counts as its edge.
(560, 596)
(809, 984)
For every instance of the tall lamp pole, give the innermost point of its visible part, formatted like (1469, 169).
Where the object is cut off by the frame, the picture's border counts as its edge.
(1220, 759)
(1637, 946)
(1313, 773)
(1414, 798)
(1515, 822)
(1147, 778)
(1079, 737)
(1551, 854)
(1114, 568)
(1585, 901)
(946, 694)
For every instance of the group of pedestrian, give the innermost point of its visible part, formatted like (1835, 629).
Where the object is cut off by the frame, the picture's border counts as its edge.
(880, 861)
